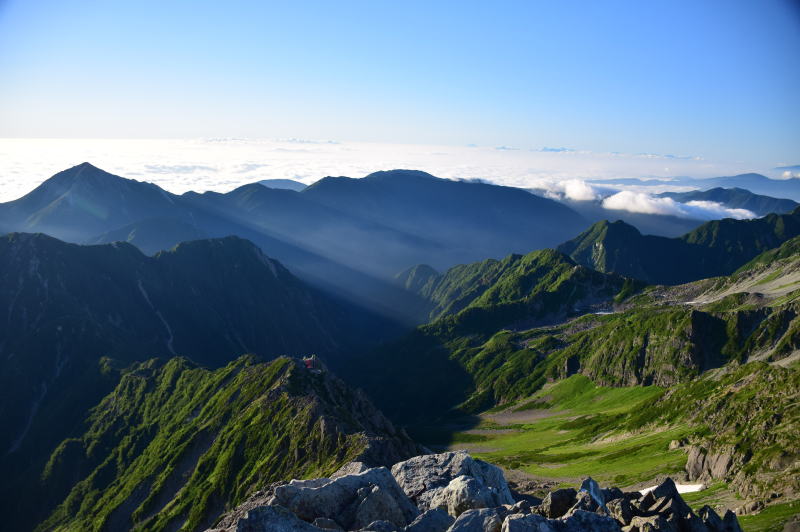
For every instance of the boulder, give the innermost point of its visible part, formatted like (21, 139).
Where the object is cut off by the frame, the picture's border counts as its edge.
(379, 526)
(528, 523)
(350, 468)
(481, 520)
(461, 494)
(620, 509)
(584, 502)
(378, 504)
(730, 523)
(557, 503)
(590, 486)
(582, 521)
(353, 501)
(326, 524)
(436, 520)
(668, 500)
(710, 518)
(653, 523)
(521, 507)
(422, 477)
(272, 519)
(611, 494)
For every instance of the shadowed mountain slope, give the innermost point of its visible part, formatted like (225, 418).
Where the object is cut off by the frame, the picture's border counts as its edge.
(715, 248)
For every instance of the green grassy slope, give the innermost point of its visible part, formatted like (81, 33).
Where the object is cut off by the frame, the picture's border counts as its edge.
(175, 444)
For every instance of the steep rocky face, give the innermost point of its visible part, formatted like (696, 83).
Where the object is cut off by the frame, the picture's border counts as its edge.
(174, 444)
(371, 500)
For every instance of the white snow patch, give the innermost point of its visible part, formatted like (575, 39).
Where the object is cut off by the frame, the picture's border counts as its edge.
(682, 488)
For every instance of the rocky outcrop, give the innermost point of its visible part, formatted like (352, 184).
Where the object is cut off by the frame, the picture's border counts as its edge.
(453, 492)
(704, 465)
(454, 481)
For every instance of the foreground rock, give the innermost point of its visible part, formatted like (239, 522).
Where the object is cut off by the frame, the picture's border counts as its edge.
(453, 481)
(453, 492)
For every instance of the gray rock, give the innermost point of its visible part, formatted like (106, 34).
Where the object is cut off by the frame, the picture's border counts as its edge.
(521, 507)
(585, 503)
(558, 502)
(326, 524)
(620, 509)
(422, 477)
(668, 500)
(461, 494)
(653, 523)
(272, 519)
(582, 521)
(696, 463)
(436, 520)
(710, 518)
(377, 504)
(591, 487)
(528, 523)
(730, 523)
(379, 526)
(611, 494)
(703, 465)
(353, 501)
(350, 468)
(482, 520)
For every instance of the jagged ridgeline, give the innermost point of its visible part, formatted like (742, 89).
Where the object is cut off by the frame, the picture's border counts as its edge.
(174, 445)
(715, 248)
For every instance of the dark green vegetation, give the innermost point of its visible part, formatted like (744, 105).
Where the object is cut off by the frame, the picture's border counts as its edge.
(467, 343)
(715, 248)
(737, 198)
(349, 236)
(175, 445)
(68, 307)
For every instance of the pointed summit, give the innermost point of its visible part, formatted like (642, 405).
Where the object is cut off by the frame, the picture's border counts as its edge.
(85, 200)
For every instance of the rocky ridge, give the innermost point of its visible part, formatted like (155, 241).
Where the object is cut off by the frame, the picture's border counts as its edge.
(453, 492)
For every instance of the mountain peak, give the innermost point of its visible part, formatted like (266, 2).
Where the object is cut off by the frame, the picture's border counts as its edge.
(400, 174)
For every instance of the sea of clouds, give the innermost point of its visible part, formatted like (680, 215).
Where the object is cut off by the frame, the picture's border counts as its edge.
(179, 165)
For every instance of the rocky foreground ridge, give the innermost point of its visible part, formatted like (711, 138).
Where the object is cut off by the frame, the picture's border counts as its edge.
(453, 492)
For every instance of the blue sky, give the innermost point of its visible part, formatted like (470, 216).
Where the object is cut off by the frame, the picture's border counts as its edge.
(717, 79)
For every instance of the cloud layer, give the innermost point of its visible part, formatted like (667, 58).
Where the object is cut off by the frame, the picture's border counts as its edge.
(222, 164)
(642, 202)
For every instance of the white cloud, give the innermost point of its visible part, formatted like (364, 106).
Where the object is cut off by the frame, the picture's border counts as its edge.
(641, 202)
(175, 164)
(714, 210)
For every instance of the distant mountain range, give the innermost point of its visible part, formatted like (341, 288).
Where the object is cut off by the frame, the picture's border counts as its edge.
(347, 235)
(736, 198)
(286, 184)
(755, 183)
